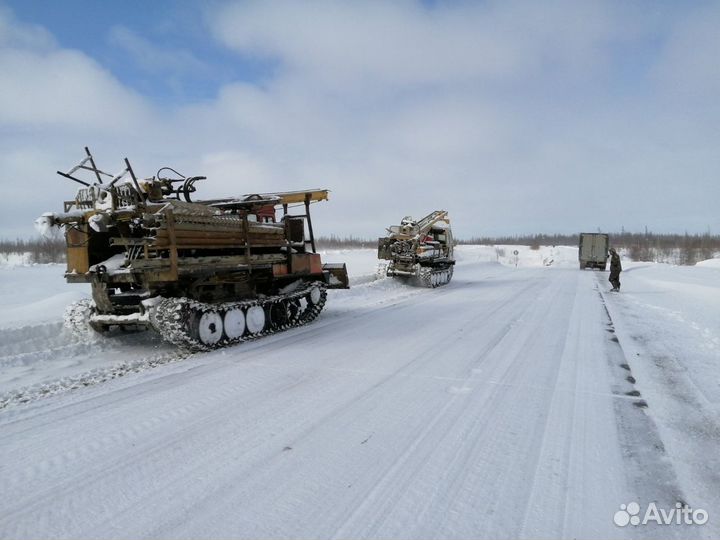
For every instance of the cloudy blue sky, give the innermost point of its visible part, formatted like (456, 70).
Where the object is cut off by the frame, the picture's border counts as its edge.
(516, 116)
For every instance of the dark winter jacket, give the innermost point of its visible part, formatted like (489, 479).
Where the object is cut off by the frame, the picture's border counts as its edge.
(615, 266)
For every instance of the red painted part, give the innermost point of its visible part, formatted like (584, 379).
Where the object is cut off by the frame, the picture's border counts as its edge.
(266, 213)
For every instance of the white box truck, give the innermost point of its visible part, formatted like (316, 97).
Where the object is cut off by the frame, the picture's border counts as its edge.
(593, 250)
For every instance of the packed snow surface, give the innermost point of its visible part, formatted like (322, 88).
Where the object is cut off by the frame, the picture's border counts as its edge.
(520, 400)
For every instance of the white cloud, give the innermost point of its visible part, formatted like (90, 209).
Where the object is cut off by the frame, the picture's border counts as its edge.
(512, 115)
(67, 89)
(21, 35)
(247, 172)
(376, 43)
(690, 63)
(154, 58)
(44, 85)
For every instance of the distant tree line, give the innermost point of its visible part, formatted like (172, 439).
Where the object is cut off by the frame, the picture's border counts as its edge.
(38, 250)
(533, 240)
(684, 249)
(344, 242)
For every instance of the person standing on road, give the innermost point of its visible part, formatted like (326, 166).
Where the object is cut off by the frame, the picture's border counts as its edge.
(615, 269)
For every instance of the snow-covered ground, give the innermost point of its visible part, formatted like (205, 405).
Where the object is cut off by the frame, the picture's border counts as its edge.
(522, 399)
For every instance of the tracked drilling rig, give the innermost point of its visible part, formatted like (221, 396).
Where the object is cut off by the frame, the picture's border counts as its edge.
(204, 274)
(421, 250)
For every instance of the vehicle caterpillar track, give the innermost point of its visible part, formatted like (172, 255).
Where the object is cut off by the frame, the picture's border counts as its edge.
(77, 318)
(203, 274)
(431, 278)
(199, 326)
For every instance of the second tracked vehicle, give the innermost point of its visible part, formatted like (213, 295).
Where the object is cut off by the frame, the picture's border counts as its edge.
(419, 250)
(204, 274)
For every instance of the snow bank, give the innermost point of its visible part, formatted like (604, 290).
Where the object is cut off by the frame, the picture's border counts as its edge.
(39, 357)
(362, 263)
(668, 322)
(14, 259)
(709, 263)
(520, 256)
(35, 294)
(359, 262)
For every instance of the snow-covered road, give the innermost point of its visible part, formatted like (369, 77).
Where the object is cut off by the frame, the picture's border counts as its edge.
(515, 402)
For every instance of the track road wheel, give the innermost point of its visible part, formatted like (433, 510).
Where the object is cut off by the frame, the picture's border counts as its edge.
(315, 295)
(255, 319)
(209, 328)
(234, 323)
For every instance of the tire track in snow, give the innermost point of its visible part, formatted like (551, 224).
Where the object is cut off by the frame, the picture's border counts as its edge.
(38, 344)
(373, 512)
(305, 430)
(649, 472)
(248, 475)
(256, 351)
(89, 477)
(51, 344)
(683, 434)
(498, 410)
(571, 474)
